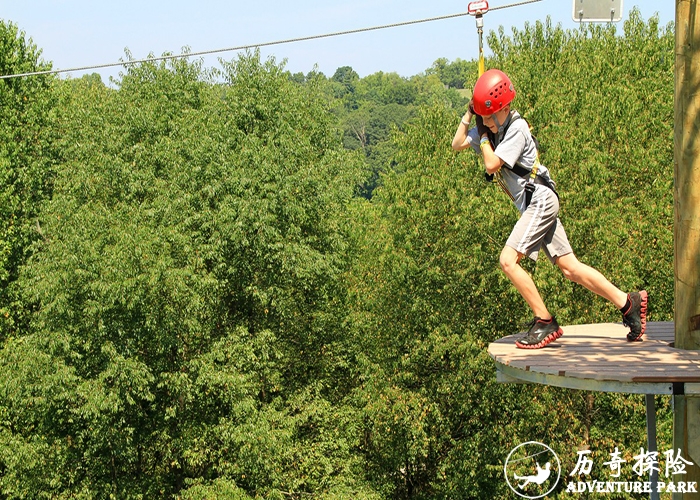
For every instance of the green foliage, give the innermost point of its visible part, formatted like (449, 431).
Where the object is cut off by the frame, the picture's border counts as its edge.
(458, 74)
(189, 290)
(252, 284)
(26, 164)
(428, 292)
(374, 106)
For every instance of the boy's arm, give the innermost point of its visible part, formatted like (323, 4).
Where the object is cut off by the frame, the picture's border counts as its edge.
(461, 140)
(492, 162)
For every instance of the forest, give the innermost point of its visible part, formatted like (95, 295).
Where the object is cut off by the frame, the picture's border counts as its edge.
(244, 283)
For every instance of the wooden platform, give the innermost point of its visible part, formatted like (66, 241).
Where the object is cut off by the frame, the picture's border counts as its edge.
(599, 358)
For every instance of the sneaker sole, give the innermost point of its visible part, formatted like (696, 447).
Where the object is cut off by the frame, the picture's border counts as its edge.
(545, 341)
(644, 296)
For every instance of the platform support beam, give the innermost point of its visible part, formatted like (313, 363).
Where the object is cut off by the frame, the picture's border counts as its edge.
(651, 442)
(687, 222)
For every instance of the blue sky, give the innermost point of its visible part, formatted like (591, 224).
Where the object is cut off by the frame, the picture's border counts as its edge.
(75, 33)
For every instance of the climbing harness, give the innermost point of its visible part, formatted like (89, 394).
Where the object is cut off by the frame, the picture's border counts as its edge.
(491, 94)
(530, 173)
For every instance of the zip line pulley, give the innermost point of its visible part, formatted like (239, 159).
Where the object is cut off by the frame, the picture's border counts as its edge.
(478, 9)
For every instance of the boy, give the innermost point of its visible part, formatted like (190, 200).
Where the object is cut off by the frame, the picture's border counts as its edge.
(510, 154)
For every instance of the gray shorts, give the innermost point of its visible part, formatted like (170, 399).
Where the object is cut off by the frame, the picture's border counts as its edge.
(539, 227)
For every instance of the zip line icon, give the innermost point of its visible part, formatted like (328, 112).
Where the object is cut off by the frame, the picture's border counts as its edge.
(539, 478)
(536, 477)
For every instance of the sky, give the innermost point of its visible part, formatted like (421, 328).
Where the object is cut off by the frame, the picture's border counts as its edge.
(78, 33)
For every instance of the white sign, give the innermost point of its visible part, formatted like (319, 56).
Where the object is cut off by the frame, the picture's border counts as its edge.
(597, 11)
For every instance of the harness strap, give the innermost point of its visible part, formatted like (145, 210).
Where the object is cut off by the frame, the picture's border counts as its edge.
(530, 174)
(530, 186)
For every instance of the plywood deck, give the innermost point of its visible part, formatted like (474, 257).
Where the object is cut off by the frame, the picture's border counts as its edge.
(598, 357)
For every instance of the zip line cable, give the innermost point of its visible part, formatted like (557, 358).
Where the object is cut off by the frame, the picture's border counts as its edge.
(251, 46)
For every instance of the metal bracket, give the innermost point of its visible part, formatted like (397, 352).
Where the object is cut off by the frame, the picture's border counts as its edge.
(597, 11)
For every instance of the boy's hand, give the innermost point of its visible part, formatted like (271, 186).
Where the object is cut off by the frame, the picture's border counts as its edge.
(480, 127)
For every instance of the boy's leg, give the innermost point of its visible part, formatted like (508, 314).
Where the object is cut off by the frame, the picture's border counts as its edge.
(526, 238)
(633, 306)
(544, 327)
(522, 281)
(592, 279)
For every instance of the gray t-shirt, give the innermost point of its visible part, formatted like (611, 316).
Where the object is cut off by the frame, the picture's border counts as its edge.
(516, 146)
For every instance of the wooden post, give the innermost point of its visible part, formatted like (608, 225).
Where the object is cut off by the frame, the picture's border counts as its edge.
(686, 417)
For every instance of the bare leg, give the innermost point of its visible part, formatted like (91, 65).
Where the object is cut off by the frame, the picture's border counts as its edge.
(510, 263)
(590, 278)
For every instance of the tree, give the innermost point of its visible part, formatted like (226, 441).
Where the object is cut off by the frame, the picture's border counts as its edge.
(26, 165)
(346, 76)
(380, 103)
(345, 81)
(459, 74)
(429, 299)
(190, 317)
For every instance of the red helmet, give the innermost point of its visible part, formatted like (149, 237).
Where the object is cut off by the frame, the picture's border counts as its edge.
(492, 92)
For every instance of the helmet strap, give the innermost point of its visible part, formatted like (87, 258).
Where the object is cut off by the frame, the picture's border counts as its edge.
(498, 124)
(503, 126)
